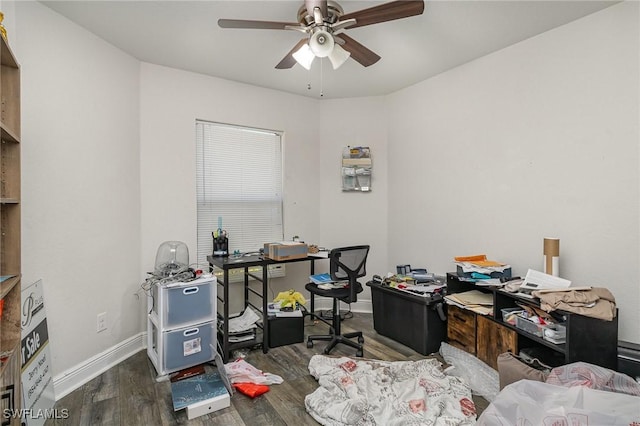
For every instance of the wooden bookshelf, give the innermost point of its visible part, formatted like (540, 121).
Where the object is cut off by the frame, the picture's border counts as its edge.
(10, 258)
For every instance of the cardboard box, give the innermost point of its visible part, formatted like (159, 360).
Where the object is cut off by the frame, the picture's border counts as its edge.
(285, 250)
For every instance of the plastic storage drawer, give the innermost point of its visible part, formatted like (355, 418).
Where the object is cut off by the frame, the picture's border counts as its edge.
(189, 346)
(182, 348)
(180, 304)
(530, 326)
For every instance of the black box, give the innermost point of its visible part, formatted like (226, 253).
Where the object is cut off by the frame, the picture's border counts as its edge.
(411, 320)
(285, 330)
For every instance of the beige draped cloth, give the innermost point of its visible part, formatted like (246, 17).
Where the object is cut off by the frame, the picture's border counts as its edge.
(596, 302)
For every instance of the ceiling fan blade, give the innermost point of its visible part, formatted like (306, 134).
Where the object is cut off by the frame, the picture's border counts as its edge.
(312, 4)
(385, 12)
(358, 52)
(260, 25)
(289, 61)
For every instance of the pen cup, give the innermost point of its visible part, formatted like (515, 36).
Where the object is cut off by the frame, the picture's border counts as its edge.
(221, 246)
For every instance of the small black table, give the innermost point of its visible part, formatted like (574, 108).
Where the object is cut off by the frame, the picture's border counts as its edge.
(245, 262)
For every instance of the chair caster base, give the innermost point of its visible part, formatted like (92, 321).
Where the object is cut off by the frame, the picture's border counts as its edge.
(309, 344)
(359, 354)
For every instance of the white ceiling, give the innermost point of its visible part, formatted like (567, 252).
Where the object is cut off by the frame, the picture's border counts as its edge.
(185, 35)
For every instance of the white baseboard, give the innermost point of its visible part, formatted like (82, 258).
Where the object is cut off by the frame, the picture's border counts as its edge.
(325, 303)
(73, 378)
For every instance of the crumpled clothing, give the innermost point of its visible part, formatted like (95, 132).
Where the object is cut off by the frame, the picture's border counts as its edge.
(597, 302)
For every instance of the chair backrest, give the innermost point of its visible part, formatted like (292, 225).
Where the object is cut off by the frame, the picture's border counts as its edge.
(349, 263)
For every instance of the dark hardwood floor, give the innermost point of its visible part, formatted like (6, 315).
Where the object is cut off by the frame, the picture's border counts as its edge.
(129, 394)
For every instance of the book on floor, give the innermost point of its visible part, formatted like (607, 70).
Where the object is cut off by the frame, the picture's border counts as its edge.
(200, 394)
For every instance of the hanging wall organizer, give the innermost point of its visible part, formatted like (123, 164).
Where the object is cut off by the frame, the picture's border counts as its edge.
(356, 169)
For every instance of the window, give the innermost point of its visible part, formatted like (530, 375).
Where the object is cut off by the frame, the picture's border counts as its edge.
(239, 186)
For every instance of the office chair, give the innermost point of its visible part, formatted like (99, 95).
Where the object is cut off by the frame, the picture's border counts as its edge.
(345, 264)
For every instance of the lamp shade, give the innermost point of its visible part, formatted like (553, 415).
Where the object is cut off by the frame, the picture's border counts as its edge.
(338, 56)
(321, 43)
(304, 56)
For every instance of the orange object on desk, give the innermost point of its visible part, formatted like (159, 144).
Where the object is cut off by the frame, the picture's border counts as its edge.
(478, 260)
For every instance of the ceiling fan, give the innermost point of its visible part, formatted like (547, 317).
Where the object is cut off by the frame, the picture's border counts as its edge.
(324, 22)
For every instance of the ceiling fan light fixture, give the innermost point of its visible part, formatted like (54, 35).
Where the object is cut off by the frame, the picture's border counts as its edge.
(304, 56)
(321, 43)
(338, 56)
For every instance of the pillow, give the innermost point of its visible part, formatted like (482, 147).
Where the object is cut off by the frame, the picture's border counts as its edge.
(511, 369)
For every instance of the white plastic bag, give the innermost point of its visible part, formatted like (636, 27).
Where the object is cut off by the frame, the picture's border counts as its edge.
(529, 402)
(240, 371)
(482, 379)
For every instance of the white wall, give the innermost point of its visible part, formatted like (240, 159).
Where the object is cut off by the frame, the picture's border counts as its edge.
(352, 218)
(539, 139)
(80, 181)
(171, 101)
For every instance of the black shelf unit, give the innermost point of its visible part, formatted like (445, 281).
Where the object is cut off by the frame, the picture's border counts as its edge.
(588, 339)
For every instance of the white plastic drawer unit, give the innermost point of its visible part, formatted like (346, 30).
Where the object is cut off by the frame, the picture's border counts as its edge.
(180, 304)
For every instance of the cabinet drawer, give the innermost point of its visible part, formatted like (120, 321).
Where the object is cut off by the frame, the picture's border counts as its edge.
(461, 328)
(494, 339)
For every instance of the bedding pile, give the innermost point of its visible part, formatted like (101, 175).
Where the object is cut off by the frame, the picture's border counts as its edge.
(370, 392)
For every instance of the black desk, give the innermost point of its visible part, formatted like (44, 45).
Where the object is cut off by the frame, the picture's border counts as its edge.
(246, 262)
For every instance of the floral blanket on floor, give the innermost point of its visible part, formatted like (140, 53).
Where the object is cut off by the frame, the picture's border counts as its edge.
(369, 392)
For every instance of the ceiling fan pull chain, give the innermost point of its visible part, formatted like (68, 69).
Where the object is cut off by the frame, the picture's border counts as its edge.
(321, 79)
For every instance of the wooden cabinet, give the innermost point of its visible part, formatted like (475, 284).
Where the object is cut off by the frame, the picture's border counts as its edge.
(461, 329)
(479, 335)
(10, 271)
(493, 339)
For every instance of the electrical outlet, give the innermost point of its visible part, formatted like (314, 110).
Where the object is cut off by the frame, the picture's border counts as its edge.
(102, 322)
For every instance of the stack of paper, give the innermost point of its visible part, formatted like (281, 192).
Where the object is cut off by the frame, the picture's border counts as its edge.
(243, 328)
(474, 300)
(479, 264)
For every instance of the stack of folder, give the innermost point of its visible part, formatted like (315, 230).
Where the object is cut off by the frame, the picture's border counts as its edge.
(478, 267)
(474, 300)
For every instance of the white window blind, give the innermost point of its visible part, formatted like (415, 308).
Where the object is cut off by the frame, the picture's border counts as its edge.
(239, 184)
